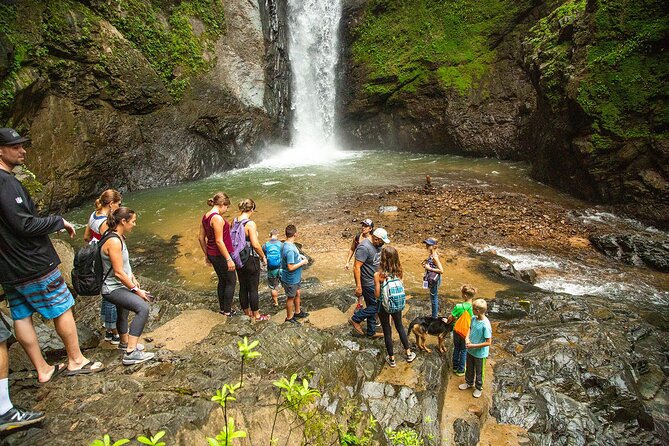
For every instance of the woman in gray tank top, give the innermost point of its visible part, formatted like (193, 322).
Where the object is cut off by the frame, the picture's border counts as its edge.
(121, 288)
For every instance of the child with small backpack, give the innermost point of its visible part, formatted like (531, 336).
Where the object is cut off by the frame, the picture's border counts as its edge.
(433, 272)
(272, 249)
(462, 315)
(478, 343)
(388, 288)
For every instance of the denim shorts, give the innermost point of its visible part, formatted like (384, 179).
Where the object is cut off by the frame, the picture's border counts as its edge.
(47, 295)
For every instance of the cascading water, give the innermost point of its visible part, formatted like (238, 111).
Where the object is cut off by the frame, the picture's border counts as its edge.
(313, 47)
(313, 54)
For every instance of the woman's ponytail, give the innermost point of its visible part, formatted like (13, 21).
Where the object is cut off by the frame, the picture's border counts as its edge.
(120, 214)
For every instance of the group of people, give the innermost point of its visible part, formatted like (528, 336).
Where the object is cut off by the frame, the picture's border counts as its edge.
(32, 282)
(376, 263)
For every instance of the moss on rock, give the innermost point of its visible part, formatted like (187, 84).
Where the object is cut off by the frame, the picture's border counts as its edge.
(407, 43)
(45, 34)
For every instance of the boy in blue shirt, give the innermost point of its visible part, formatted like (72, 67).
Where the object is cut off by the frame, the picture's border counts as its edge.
(291, 275)
(272, 249)
(478, 345)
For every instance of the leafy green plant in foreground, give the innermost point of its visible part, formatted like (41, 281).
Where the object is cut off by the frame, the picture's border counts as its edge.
(405, 437)
(153, 440)
(247, 352)
(227, 435)
(106, 441)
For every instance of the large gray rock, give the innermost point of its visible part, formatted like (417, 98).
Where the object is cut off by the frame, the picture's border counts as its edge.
(635, 249)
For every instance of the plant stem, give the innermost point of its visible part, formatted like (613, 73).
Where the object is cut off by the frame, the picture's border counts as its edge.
(225, 416)
(241, 377)
(276, 414)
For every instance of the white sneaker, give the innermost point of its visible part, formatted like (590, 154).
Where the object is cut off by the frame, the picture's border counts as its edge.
(136, 357)
(464, 386)
(477, 393)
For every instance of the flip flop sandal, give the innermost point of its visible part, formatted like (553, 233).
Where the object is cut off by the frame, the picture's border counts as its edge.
(262, 317)
(57, 370)
(86, 369)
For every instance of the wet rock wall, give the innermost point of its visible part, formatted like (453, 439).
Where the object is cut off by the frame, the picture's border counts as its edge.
(109, 102)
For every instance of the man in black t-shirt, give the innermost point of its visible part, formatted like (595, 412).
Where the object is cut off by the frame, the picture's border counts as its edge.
(29, 267)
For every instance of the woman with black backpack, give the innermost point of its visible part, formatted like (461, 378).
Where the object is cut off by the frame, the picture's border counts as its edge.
(388, 288)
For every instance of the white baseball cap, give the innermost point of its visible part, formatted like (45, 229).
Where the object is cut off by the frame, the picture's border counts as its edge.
(382, 234)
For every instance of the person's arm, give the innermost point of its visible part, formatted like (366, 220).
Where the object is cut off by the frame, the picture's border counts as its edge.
(294, 266)
(377, 284)
(19, 217)
(358, 282)
(439, 269)
(113, 249)
(351, 251)
(201, 238)
(218, 225)
(87, 234)
(252, 232)
(487, 343)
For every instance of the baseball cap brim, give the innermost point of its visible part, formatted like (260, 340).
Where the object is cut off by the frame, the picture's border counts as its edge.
(18, 141)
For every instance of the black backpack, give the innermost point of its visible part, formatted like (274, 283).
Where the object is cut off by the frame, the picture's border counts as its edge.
(87, 276)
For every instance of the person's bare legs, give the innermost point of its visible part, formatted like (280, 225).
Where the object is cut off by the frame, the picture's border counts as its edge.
(289, 308)
(4, 360)
(67, 330)
(275, 297)
(298, 310)
(27, 337)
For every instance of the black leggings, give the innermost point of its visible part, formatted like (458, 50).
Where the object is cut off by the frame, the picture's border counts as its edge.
(249, 278)
(387, 331)
(127, 301)
(226, 282)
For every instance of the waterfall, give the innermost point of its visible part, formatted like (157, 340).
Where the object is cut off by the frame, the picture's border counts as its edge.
(312, 27)
(313, 46)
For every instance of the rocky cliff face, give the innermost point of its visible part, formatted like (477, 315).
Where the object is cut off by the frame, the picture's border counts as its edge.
(573, 87)
(134, 95)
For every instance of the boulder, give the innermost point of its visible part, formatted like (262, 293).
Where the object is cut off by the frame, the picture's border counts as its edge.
(635, 249)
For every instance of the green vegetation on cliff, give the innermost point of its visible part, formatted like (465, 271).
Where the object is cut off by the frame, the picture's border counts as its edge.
(53, 37)
(164, 34)
(406, 43)
(612, 60)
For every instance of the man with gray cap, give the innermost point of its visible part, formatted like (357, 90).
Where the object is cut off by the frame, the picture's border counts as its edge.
(29, 267)
(367, 259)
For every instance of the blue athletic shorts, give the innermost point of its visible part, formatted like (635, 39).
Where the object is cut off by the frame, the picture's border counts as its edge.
(48, 295)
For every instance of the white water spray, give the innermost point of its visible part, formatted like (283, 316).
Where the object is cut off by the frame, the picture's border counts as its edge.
(314, 49)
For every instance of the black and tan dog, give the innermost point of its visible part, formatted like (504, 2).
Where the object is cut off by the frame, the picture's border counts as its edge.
(425, 325)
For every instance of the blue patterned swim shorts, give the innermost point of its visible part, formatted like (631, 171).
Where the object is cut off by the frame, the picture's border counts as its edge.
(48, 295)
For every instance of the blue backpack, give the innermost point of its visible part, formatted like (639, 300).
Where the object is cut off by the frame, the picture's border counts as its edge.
(240, 248)
(273, 253)
(393, 296)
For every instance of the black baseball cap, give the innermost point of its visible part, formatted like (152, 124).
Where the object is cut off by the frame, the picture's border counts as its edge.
(10, 137)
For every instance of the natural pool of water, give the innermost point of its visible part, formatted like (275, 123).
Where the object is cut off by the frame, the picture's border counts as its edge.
(164, 244)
